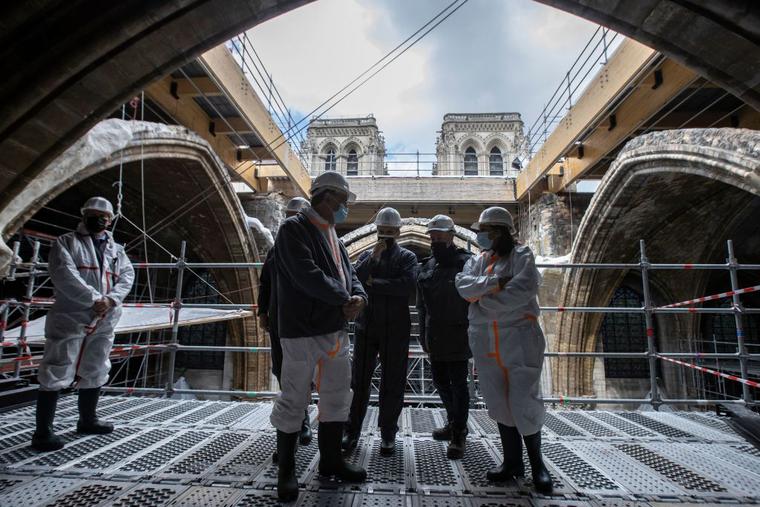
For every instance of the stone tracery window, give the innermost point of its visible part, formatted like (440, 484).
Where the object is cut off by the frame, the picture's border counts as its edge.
(352, 169)
(625, 332)
(470, 162)
(496, 162)
(330, 160)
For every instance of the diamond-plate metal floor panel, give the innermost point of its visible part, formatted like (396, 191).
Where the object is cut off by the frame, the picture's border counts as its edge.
(210, 453)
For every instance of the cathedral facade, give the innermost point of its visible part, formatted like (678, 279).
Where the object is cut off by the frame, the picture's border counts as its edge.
(351, 146)
(468, 144)
(480, 144)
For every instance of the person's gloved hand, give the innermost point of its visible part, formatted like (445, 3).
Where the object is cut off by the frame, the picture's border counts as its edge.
(352, 308)
(102, 306)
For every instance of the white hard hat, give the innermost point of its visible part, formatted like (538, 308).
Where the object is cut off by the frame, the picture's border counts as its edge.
(495, 216)
(99, 204)
(388, 217)
(331, 180)
(440, 223)
(296, 204)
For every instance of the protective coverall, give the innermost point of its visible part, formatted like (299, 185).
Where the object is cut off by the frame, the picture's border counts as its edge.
(506, 341)
(77, 342)
(383, 329)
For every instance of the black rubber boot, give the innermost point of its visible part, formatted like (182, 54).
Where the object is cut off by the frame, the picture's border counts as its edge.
(44, 439)
(513, 466)
(442, 433)
(458, 444)
(88, 420)
(542, 481)
(287, 485)
(387, 444)
(304, 436)
(349, 442)
(330, 458)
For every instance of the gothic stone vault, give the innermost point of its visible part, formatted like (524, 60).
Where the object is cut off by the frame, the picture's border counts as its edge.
(685, 192)
(177, 165)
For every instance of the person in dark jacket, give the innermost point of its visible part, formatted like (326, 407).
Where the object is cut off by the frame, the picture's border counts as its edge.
(443, 330)
(267, 312)
(388, 272)
(318, 293)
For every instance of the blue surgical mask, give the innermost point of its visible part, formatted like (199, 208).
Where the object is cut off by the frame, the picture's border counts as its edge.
(484, 241)
(340, 215)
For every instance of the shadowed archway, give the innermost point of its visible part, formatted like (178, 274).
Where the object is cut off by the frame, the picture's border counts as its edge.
(685, 192)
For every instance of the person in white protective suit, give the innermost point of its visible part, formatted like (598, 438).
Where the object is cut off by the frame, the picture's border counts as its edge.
(91, 275)
(507, 343)
(318, 293)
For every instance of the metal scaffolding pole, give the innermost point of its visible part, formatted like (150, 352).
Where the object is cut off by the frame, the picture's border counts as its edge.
(651, 346)
(425, 394)
(737, 309)
(180, 265)
(21, 345)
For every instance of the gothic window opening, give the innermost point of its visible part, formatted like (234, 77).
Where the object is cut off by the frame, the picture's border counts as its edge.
(470, 162)
(719, 335)
(625, 332)
(353, 163)
(496, 162)
(330, 160)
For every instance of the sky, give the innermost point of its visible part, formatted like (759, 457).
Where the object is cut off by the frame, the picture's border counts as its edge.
(489, 56)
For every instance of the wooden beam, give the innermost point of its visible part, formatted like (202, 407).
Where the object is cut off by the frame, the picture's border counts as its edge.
(195, 86)
(225, 71)
(630, 115)
(625, 65)
(188, 113)
(257, 153)
(232, 125)
(270, 171)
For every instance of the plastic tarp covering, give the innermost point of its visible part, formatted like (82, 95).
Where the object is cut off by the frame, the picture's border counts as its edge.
(134, 320)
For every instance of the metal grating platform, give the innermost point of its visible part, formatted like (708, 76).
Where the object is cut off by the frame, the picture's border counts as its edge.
(196, 453)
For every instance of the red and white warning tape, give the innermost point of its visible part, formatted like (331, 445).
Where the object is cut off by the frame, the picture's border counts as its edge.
(722, 295)
(751, 383)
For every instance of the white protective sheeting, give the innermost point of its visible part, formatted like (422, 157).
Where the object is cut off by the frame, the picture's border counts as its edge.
(134, 320)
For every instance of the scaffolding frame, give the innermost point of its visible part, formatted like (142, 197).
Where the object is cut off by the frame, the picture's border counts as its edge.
(648, 310)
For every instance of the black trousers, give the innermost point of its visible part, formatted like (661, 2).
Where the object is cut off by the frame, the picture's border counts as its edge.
(450, 379)
(394, 359)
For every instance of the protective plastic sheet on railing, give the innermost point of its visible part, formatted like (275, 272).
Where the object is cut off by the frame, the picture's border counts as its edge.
(135, 320)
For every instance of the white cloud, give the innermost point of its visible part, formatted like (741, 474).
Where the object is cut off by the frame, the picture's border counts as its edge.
(490, 55)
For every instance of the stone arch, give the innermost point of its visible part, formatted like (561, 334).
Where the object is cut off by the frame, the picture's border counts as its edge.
(413, 236)
(326, 144)
(355, 143)
(474, 141)
(660, 186)
(499, 141)
(177, 164)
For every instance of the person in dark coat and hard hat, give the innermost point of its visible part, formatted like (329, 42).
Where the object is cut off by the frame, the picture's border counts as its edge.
(443, 330)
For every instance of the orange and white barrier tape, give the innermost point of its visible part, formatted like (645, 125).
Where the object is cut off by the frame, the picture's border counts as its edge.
(722, 295)
(751, 383)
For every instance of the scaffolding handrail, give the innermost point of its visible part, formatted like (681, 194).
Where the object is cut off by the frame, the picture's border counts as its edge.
(47, 302)
(555, 265)
(714, 297)
(648, 310)
(748, 382)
